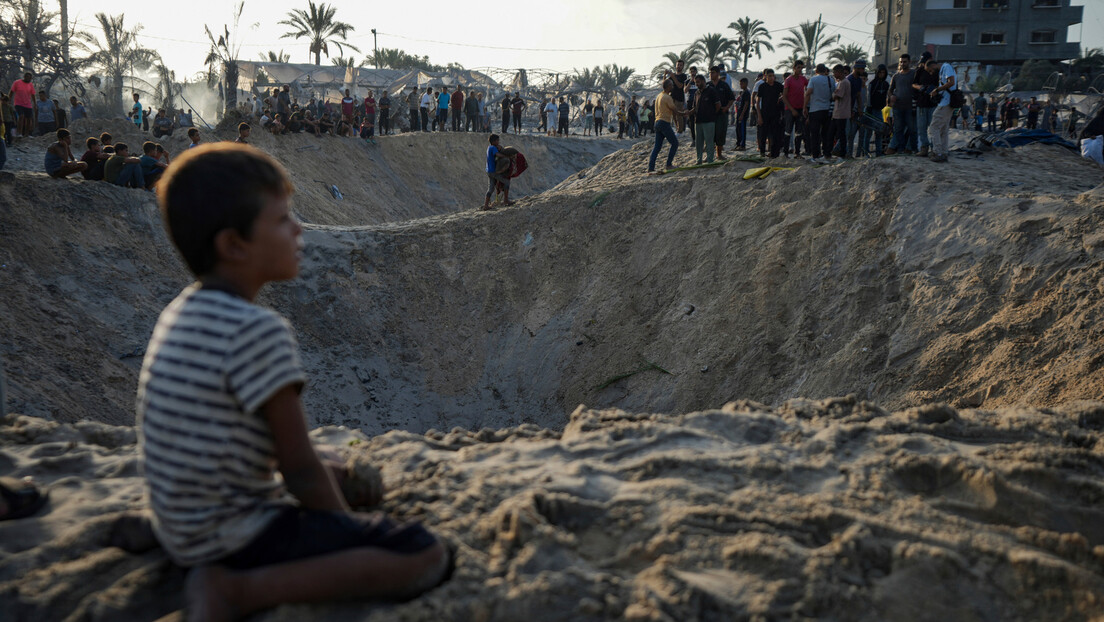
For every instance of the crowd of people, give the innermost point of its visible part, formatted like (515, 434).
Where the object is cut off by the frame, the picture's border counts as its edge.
(837, 112)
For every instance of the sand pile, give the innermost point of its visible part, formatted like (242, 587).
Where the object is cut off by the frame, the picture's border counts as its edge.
(833, 509)
(898, 282)
(400, 177)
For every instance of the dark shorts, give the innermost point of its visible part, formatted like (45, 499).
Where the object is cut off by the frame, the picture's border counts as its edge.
(23, 111)
(298, 534)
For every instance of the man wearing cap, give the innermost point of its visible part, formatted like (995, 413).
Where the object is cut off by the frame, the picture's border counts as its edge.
(941, 119)
(923, 83)
(857, 78)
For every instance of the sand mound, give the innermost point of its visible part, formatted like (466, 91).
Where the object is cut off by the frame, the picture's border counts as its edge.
(898, 280)
(822, 510)
(400, 177)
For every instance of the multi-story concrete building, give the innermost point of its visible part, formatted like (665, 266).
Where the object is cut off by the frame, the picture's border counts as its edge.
(986, 32)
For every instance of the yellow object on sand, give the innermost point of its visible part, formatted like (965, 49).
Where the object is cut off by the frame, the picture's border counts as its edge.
(763, 171)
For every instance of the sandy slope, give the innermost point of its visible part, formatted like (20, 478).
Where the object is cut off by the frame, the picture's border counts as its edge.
(899, 281)
(831, 510)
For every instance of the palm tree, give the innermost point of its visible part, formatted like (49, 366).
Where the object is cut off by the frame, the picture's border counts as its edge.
(341, 61)
(715, 48)
(808, 40)
(847, 54)
(612, 76)
(223, 55)
(276, 57)
(118, 54)
(317, 23)
(1088, 61)
(751, 38)
(787, 65)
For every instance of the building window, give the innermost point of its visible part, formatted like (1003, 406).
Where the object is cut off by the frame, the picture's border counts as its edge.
(958, 38)
(1043, 36)
(877, 47)
(896, 40)
(992, 38)
(994, 4)
(961, 4)
(881, 15)
(900, 7)
(1046, 4)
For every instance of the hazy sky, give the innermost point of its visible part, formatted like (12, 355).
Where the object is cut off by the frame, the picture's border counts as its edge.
(547, 39)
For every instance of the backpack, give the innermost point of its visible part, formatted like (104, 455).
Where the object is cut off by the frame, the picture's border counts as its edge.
(958, 98)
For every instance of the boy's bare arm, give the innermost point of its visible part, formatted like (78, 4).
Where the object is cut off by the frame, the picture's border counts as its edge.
(303, 472)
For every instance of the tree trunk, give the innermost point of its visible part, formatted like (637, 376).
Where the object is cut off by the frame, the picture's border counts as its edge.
(318, 57)
(64, 30)
(117, 92)
(231, 69)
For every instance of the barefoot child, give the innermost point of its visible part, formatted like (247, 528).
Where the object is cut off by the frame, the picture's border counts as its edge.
(218, 408)
(498, 171)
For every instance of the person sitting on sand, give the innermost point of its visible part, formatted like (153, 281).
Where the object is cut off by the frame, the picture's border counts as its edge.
(123, 170)
(325, 124)
(498, 166)
(151, 161)
(253, 540)
(94, 157)
(367, 129)
(193, 135)
(59, 160)
(310, 123)
(162, 124)
(243, 133)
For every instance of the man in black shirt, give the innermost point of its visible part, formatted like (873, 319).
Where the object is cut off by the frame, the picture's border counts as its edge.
(743, 107)
(726, 99)
(923, 83)
(679, 92)
(878, 96)
(769, 112)
(384, 114)
(707, 106)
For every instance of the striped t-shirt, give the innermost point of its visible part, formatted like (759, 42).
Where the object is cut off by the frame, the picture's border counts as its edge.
(207, 453)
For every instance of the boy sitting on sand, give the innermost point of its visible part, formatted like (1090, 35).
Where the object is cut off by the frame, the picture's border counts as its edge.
(59, 161)
(219, 410)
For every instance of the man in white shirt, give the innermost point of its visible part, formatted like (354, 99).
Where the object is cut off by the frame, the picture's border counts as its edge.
(940, 125)
(427, 98)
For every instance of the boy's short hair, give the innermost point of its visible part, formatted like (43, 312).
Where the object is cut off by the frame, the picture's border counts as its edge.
(493, 138)
(243, 126)
(62, 134)
(91, 141)
(105, 138)
(215, 187)
(149, 147)
(193, 132)
(121, 147)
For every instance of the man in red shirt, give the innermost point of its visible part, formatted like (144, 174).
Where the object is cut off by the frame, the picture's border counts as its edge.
(22, 94)
(793, 96)
(370, 107)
